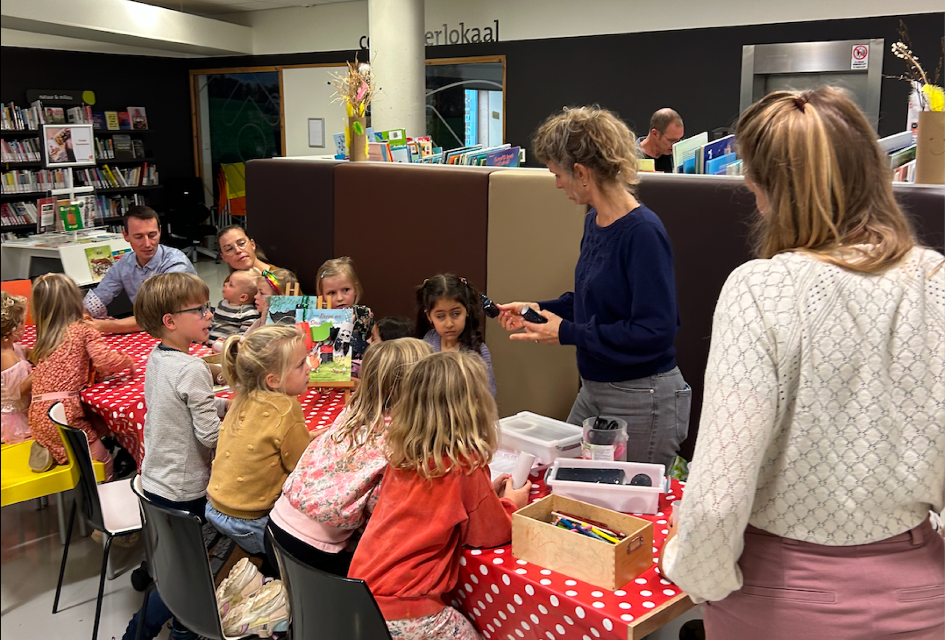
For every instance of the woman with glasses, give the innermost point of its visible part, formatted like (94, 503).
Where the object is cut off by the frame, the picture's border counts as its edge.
(239, 251)
(622, 314)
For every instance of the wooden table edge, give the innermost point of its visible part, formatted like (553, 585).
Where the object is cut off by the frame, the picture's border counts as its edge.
(659, 616)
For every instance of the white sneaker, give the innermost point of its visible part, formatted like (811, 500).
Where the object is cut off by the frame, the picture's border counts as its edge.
(258, 614)
(244, 580)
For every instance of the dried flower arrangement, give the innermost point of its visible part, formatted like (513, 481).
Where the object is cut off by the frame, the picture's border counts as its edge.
(931, 96)
(355, 89)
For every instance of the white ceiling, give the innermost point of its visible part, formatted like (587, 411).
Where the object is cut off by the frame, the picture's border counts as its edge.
(217, 7)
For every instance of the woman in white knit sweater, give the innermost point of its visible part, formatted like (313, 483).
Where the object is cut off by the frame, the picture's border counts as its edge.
(821, 447)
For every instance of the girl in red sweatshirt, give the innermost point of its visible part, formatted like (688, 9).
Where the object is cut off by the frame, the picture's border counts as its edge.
(436, 496)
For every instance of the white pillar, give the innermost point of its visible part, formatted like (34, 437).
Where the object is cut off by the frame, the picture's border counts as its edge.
(395, 28)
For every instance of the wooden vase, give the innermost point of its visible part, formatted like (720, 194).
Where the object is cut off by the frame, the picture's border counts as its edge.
(358, 150)
(930, 148)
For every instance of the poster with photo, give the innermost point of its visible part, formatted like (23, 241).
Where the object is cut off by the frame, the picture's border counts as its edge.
(68, 145)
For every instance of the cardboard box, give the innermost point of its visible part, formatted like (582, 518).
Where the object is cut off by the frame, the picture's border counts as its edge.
(600, 563)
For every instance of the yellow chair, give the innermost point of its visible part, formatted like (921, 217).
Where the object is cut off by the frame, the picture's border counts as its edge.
(20, 483)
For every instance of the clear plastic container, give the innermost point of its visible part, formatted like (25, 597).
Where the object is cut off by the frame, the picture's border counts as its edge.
(625, 498)
(544, 438)
(604, 444)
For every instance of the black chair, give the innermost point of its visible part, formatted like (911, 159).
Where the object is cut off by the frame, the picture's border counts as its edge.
(177, 555)
(326, 606)
(109, 508)
(186, 217)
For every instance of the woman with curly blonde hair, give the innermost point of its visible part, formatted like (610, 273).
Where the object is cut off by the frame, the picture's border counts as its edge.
(622, 315)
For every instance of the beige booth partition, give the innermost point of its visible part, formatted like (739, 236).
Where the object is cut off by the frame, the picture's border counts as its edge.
(534, 242)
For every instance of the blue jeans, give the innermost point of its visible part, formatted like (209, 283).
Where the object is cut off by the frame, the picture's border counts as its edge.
(250, 535)
(656, 409)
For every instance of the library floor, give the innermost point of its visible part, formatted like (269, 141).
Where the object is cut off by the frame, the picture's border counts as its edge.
(30, 554)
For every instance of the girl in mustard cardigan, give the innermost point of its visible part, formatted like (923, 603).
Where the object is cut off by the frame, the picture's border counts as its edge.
(263, 435)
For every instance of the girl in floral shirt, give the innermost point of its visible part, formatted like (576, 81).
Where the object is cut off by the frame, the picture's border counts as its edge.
(68, 353)
(334, 487)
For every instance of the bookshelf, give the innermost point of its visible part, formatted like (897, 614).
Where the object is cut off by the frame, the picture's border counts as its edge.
(125, 171)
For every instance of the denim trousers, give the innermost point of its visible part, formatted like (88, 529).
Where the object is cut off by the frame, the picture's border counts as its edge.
(656, 409)
(250, 535)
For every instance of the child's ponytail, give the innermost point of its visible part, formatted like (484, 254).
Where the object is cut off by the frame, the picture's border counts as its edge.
(231, 350)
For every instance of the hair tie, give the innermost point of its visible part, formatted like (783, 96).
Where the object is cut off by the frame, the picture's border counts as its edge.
(801, 101)
(463, 280)
(272, 280)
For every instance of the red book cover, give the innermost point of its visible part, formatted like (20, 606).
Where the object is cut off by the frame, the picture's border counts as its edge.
(124, 120)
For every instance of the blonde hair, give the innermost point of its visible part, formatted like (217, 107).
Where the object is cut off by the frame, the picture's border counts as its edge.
(247, 361)
(165, 293)
(343, 266)
(445, 417)
(827, 182)
(56, 303)
(283, 276)
(593, 137)
(12, 313)
(383, 369)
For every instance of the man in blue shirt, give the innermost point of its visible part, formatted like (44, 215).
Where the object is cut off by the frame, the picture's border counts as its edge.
(149, 257)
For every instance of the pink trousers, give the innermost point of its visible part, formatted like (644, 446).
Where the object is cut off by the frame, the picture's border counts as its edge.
(894, 588)
(101, 454)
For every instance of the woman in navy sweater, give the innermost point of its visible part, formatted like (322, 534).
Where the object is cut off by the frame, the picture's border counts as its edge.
(622, 314)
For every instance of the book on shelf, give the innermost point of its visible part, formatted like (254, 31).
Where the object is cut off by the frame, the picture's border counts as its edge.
(18, 213)
(14, 118)
(24, 150)
(98, 119)
(123, 148)
(55, 115)
(901, 157)
(138, 147)
(104, 149)
(685, 150)
(138, 117)
(29, 181)
(111, 121)
(124, 120)
(712, 150)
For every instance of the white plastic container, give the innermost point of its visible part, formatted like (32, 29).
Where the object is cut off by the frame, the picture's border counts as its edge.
(545, 438)
(625, 498)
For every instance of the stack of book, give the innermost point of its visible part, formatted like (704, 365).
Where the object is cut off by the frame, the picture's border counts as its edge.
(26, 181)
(26, 150)
(14, 118)
(116, 206)
(106, 177)
(698, 155)
(18, 213)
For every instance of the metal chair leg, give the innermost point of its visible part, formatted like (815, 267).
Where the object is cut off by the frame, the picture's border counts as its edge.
(101, 585)
(61, 514)
(65, 555)
(143, 611)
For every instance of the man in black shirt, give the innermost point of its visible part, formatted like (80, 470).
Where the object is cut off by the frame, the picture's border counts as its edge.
(666, 129)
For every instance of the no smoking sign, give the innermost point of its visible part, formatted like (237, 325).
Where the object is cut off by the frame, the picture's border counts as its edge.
(861, 56)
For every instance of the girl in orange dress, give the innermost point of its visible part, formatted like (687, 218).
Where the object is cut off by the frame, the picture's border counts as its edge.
(68, 353)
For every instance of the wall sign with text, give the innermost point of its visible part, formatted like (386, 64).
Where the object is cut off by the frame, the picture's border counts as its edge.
(460, 35)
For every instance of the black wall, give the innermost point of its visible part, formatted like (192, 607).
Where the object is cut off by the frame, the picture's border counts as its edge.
(695, 71)
(157, 84)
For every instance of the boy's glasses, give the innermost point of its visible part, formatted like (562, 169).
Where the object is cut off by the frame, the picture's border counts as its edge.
(203, 309)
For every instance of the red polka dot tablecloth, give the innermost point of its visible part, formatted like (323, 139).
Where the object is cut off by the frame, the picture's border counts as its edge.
(511, 599)
(120, 400)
